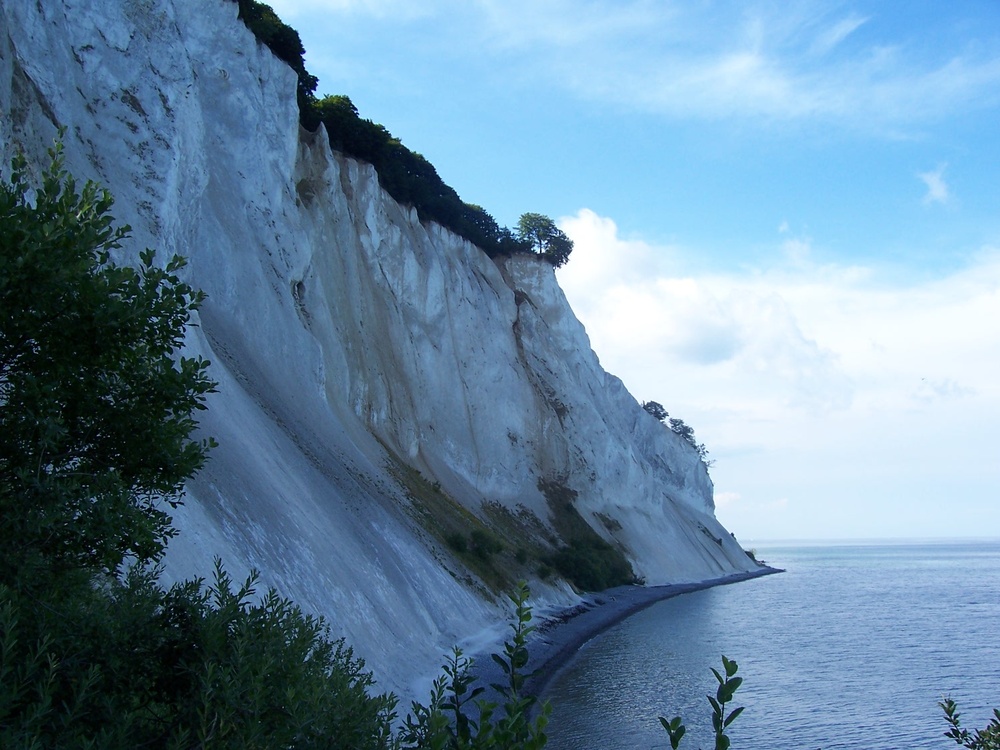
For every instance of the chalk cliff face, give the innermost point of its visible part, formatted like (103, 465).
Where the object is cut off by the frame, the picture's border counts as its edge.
(350, 341)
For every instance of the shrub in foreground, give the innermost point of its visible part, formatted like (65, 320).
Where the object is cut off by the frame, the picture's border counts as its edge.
(987, 738)
(96, 423)
(458, 718)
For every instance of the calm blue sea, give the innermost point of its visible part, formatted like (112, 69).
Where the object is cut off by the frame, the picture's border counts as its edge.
(852, 647)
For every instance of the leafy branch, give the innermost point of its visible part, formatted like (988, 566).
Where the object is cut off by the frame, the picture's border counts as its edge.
(728, 686)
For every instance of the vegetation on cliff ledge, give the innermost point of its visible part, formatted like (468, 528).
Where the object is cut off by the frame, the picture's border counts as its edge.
(406, 175)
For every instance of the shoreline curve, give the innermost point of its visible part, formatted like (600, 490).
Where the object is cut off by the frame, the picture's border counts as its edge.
(559, 635)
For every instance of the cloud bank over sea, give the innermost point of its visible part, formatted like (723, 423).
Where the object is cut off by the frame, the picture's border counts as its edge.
(795, 368)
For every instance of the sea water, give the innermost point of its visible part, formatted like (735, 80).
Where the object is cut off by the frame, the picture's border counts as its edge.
(852, 647)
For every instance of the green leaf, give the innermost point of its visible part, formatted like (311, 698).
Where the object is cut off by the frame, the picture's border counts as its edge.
(730, 665)
(502, 662)
(728, 689)
(675, 730)
(732, 717)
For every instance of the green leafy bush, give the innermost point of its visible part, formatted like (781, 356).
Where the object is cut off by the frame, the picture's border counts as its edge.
(987, 738)
(456, 717)
(586, 560)
(728, 685)
(591, 564)
(129, 664)
(485, 543)
(96, 416)
(457, 541)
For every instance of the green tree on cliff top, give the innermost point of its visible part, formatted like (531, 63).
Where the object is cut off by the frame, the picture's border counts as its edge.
(545, 238)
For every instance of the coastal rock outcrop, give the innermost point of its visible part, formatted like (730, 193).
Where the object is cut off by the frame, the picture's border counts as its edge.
(363, 357)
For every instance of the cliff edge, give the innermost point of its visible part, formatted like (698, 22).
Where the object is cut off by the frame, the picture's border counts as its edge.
(383, 384)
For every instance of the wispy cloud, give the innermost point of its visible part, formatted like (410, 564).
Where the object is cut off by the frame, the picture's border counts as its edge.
(831, 36)
(787, 338)
(737, 60)
(744, 59)
(937, 188)
(643, 312)
(933, 390)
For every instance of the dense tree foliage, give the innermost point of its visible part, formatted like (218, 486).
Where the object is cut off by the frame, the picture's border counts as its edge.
(406, 175)
(591, 564)
(95, 413)
(409, 178)
(656, 410)
(96, 417)
(677, 426)
(286, 44)
(111, 663)
(545, 238)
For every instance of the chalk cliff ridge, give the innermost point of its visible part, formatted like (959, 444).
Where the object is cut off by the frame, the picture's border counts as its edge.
(364, 359)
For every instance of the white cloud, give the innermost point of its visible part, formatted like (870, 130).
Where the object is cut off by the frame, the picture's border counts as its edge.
(728, 59)
(947, 388)
(937, 188)
(838, 389)
(726, 499)
(818, 331)
(831, 37)
(732, 59)
(639, 308)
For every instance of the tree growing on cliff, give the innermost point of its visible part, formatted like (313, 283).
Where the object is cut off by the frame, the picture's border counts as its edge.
(678, 427)
(656, 410)
(545, 238)
(685, 431)
(285, 43)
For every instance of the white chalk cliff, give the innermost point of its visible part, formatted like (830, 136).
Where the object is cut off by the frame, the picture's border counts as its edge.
(347, 338)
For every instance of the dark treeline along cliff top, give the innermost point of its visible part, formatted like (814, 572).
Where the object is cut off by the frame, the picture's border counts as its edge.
(406, 175)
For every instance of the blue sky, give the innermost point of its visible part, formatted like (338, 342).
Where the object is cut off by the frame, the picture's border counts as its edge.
(786, 216)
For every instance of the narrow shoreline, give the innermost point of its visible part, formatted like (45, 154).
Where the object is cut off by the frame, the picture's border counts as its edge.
(559, 635)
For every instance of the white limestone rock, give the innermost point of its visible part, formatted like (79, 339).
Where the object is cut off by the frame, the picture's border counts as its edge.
(342, 331)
